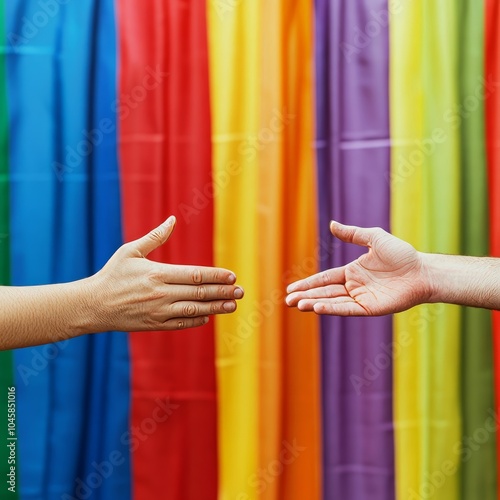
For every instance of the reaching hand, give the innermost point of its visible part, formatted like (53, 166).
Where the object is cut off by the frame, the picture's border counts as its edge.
(389, 278)
(136, 294)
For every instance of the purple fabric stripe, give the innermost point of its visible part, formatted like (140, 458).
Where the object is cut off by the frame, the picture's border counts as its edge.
(353, 149)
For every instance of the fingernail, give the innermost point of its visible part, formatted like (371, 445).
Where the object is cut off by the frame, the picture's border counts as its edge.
(229, 306)
(238, 293)
(231, 279)
(170, 221)
(290, 288)
(206, 319)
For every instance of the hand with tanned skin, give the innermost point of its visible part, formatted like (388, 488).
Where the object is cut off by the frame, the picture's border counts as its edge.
(130, 293)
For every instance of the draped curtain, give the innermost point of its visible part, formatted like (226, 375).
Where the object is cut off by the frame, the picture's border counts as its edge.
(255, 123)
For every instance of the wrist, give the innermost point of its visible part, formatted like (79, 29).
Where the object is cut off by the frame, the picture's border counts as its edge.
(86, 315)
(454, 279)
(430, 275)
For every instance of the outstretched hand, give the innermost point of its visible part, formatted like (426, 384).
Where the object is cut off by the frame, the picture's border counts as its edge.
(137, 294)
(389, 278)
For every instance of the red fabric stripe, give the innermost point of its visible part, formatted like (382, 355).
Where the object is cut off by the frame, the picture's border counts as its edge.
(492, 75)
(165, 147)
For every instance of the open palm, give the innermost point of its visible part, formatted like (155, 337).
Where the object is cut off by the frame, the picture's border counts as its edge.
(389, 278)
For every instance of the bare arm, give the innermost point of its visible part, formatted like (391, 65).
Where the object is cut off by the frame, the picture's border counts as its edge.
(393, 277)
(130, 293)
(466, 281)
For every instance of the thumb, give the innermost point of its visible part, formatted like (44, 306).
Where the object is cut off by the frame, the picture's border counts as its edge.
(156, 238)
(353, 234)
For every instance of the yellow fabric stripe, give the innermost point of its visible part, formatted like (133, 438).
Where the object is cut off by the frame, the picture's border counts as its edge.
(424, 184)
(442, 200)
(234, 80)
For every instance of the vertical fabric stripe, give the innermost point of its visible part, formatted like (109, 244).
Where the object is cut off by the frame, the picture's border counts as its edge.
(6, 367)
(492, 108)
(62, 383)
(353, 165)
(108, 382)
(271, 223)
(31, 73)
(425, 173)
(234, 37)
(185, 362)
(442, 223)
(165, 160)
(478, 475)
(72, 259)
(301, 368)
(406, 104)
(289, 398)
(141, 136)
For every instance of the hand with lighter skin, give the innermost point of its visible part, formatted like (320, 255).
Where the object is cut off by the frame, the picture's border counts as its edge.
(130, 293)
(392, 277)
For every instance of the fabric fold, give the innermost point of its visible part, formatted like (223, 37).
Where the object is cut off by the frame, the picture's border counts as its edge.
(166, 169)
(353, 167)
(478, 475)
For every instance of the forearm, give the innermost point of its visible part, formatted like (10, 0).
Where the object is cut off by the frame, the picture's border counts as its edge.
(45, 314)
(467, 281)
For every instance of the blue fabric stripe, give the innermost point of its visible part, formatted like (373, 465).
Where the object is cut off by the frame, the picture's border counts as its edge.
(110, 406)
(65, 218)
(30, 81)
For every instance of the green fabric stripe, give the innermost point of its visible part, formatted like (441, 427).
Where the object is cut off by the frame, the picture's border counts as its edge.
(6, 365)
(478, 474)
(441, 210)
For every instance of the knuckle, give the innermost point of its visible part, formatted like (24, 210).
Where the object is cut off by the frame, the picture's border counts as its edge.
(197, 278)
(201, 293)
(152, 275)
(180, 325)
(156, 235)
(190, 310)
(325, 278)
(216, 308)
(125, 249)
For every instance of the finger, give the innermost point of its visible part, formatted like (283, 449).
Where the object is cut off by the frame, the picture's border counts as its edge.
(339, 307)
(308, 304)
(197, 275)
(154, 239)
(329, 277)
(206, 292)
(183, 323)
(194, 309)
(354, 234)
(325, 292)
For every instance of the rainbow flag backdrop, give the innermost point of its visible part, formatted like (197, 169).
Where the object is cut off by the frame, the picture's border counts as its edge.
(255, 123)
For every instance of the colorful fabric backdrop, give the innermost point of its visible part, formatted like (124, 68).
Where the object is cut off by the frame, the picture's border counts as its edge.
(255, 123)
